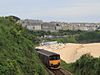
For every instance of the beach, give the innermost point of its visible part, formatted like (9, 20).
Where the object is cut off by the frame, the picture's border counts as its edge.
(70, 52)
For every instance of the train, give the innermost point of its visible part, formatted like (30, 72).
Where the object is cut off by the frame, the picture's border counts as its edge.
(50, 59)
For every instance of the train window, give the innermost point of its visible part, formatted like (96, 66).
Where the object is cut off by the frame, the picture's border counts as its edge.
(54, 57)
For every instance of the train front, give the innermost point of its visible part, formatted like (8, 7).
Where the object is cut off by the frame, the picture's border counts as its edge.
(54, 61)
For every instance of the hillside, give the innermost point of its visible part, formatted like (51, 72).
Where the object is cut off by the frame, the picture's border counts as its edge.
(17, 54)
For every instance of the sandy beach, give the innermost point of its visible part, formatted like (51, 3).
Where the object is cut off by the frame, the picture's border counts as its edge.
(70, 52)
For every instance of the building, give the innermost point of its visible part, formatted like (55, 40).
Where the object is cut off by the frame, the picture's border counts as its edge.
(56, 26)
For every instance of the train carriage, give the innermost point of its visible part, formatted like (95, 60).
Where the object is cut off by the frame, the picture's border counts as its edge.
(50, 59)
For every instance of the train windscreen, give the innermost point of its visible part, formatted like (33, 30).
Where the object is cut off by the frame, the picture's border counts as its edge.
(55, 57)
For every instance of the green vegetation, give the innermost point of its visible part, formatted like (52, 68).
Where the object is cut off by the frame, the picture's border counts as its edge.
(18, 57)
(89, 37)
(86, 65)
(66, 66)
(17, 54)
(68, 36)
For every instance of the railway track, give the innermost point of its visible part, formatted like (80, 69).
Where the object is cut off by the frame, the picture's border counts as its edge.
(58, 72)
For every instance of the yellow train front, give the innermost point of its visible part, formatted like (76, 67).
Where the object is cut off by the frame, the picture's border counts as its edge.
(54, 61)
(50, 59)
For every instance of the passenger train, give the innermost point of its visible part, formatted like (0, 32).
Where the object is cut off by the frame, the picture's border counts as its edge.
(50, 59)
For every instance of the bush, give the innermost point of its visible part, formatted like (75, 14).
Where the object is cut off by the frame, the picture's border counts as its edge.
(17, 54)
(86, 65)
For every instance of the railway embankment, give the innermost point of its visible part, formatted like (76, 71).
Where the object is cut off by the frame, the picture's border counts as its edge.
(17, 55)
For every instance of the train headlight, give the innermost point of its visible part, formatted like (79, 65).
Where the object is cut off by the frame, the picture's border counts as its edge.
(51, 64)
(58, 63)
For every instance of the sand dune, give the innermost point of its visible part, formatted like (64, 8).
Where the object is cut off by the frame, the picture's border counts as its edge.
(70, 52)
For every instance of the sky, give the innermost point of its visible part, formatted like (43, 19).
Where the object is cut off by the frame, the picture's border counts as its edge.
(53, 10)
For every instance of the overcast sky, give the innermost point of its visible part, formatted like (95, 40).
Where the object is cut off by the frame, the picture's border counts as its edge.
(53, 10)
